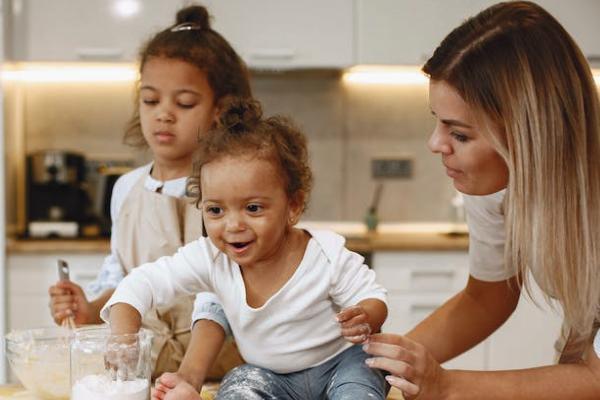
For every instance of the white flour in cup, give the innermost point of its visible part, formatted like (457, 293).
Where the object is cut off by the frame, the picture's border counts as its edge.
(101, 387)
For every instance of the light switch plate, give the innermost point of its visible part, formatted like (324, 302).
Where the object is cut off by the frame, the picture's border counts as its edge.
(392, 168)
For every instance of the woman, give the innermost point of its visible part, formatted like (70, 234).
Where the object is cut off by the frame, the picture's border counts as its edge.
(518, 129)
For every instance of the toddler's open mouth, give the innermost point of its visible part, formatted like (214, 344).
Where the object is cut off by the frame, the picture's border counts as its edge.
(239, 247)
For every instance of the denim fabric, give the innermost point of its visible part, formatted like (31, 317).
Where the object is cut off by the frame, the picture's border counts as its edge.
(344, 377)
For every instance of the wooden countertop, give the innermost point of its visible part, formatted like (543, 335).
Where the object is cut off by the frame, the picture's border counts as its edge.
(388, 237)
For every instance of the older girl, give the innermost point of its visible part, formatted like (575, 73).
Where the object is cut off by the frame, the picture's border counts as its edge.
(518, 130)
(186, 72)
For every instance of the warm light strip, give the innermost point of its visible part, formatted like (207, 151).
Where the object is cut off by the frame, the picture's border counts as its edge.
(48, 72)
(400, 75)
(384, 75)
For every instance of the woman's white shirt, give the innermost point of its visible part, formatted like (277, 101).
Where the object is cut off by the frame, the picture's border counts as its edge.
(487, 237)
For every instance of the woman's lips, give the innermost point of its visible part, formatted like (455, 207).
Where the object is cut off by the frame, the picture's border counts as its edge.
(452, 173)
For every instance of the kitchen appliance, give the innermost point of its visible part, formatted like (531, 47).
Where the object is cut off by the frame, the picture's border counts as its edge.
(101, 178)
(56, 198)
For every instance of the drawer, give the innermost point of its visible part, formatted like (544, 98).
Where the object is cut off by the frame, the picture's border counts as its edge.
(406, 311)
(404, 272)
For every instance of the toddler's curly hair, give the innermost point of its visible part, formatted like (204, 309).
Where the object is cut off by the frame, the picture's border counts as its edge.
(242, 130)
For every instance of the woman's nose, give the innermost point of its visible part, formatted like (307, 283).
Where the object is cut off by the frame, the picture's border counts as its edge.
(438, 142)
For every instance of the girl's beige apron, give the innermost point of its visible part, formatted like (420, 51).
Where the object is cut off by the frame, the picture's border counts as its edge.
(151, 225)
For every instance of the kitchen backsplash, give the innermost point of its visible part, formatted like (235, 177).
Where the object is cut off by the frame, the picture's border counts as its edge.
(347, 126)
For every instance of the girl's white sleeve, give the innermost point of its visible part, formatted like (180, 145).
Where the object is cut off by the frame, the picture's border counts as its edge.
(353, 281)
(159, 283)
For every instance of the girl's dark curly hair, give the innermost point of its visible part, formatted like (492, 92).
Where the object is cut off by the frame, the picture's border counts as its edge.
(242, 130)
(191, 39)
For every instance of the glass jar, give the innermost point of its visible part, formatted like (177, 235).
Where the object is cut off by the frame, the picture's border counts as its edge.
(110, 367)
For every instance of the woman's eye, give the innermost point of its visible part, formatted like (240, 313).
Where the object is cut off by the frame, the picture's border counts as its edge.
(460, 137)
(254, 208)
(150, 102)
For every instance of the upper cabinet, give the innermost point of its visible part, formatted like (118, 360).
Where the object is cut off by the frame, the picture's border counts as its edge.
(288, 33)
(275, 34)
(580, 19)
(91, 30)
(406, 32)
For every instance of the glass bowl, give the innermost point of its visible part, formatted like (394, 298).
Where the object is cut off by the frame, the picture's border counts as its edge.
(40, 359)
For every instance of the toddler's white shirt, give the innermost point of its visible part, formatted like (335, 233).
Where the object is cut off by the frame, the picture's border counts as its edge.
(295, 329)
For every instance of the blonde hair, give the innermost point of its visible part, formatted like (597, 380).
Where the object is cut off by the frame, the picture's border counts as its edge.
(523, 74)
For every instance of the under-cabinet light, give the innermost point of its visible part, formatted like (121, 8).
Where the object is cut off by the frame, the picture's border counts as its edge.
(50, 72)
(383, 75)
(399, 75)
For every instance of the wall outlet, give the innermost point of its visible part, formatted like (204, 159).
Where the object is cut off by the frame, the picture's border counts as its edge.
(392, 168)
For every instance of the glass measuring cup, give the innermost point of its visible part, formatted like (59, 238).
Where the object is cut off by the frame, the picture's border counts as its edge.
(110, 367)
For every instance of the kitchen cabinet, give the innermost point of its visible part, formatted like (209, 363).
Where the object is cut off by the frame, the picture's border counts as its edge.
(288, 34)
(30, 275)
(417, 284)
(91, 30)
(420, 282)
(406, 32)
(272, 34)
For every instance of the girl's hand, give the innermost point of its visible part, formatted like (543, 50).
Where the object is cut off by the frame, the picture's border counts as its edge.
(171, 386)
(66, 299)
(413, 370)
(355, 324)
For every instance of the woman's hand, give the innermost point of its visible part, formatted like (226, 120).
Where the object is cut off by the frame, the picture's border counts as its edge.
(355, 324)
(171, 386)
(67, 299)
(413, 370)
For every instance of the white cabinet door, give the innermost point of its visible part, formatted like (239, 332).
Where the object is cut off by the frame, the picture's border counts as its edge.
(30, 276)
(580, 19)
(91, 30)
(288, 33)
(420, 282)
(408, 31)
(527, 339)
(276, 34)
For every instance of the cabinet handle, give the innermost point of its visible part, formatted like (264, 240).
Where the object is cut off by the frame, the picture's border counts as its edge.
(99, 53)
(273, 54)
(429, 280)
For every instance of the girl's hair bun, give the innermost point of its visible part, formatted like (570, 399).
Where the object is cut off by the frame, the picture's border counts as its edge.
(196, 15)
(239, 114)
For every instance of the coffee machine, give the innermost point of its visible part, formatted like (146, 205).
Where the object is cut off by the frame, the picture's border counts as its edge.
(57, 201)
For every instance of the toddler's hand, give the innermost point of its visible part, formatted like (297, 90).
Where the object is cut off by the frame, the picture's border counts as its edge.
(355, 324)
(171, 386)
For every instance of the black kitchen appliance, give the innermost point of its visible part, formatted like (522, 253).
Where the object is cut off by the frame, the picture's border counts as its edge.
(57, 202)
